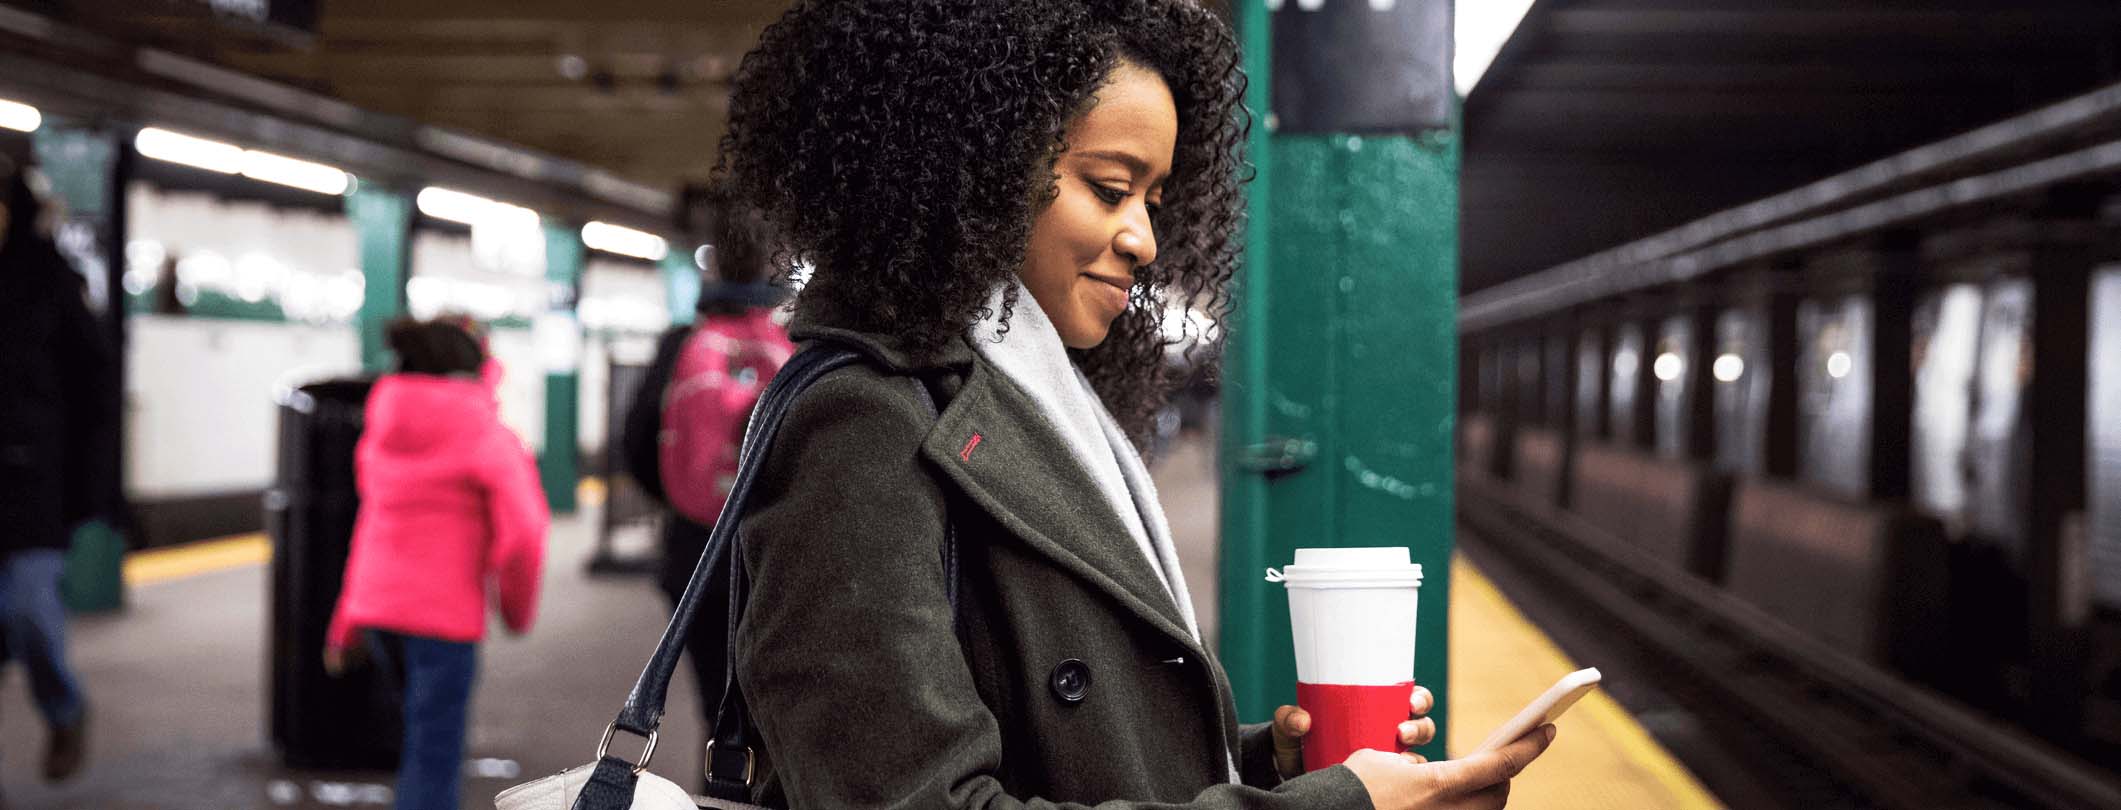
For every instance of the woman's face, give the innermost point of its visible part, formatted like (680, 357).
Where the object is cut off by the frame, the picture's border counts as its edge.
(1086, 243)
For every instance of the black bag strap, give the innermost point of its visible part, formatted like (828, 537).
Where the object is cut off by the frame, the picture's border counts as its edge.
(731, 752)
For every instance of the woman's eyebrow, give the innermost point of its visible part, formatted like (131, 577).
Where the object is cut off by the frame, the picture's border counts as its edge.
(1133, 162)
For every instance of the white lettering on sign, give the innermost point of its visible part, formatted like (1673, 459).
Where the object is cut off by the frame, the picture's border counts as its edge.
(253, 10)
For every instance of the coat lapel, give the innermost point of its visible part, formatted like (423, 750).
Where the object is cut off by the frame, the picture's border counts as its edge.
(993, 442)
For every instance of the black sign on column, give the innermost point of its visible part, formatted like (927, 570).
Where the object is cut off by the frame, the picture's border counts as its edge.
(1361, 66)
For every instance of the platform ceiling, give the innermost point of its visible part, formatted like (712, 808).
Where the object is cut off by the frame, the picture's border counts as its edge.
(638, 87)
(1600, 122)
(1603, 121)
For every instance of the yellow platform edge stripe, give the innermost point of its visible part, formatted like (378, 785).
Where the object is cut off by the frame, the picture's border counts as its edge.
(157, 565)
(1597, 712)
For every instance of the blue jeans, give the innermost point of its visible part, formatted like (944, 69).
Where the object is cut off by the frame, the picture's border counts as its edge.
(437, 691)
(33, 626)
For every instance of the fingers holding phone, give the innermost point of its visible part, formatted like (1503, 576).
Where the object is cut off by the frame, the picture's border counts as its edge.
(1480, 781)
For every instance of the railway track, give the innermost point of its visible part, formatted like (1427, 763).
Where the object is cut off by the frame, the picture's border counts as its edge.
(1865, 737)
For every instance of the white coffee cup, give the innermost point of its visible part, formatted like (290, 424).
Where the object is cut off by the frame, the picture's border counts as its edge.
(1352, 613)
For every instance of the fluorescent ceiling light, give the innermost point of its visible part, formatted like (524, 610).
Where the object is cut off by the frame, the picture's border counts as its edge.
(624, 241)
(470, 209)
(200, 153)
(226, 158)
(288, 171)
(1479, 31)
(19, 117)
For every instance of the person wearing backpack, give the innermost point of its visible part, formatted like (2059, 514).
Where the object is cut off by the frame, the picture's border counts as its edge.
(686, 422)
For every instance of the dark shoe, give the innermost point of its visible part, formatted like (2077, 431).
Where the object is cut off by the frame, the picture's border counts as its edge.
(68, 750)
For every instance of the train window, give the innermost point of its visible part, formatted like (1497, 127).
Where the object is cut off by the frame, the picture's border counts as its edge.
(1945, 328)
(1590, 372)
(1626, 365)
(1998, 443)
(1740, 371)
(1834, 393)
(206, 254)
(1672, 366)
(2105, 439)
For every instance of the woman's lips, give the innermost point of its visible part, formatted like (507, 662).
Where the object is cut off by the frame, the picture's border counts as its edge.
(1112, 293)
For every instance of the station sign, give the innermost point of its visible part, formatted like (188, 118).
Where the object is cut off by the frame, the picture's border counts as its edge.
(1361, 66)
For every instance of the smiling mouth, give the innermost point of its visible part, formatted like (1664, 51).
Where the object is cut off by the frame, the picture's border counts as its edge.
(1125, 286)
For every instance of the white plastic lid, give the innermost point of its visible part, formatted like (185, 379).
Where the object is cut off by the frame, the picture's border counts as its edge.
(1367, 558)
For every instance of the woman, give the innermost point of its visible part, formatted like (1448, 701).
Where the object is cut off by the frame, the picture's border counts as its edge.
(450, 507)
(996, 195)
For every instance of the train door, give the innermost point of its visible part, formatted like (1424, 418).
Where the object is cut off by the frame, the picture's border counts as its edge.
(1740, 372)
(1834, 393)
(1672, 365)
(1969, 446)
(1626, 366)
(2102, 714)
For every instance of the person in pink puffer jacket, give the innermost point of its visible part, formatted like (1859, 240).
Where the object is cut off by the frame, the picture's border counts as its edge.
(451, 511)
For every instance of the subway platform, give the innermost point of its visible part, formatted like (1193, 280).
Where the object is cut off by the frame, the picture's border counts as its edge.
(179, 691)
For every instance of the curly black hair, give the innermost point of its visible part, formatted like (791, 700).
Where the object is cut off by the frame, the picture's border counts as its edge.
(903, 148)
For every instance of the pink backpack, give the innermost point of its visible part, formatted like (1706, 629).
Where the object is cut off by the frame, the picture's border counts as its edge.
(722, 368)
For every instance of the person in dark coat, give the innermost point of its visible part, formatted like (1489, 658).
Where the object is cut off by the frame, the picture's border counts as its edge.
(996, 196)
(56, 421)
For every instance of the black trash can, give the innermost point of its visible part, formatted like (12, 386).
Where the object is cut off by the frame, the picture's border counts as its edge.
(317, 720)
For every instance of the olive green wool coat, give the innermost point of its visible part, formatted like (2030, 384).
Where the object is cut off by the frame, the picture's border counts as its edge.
(868, 696)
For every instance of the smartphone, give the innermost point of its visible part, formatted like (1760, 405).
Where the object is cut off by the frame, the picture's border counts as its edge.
(1546, 709)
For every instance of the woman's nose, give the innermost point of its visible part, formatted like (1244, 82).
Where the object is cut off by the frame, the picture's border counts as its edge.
(1136, 240)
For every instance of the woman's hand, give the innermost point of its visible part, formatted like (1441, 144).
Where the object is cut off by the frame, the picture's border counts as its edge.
(1477, 782)
(1292, 723)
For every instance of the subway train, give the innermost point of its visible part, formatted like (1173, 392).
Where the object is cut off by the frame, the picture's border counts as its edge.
(1865, 434)
(234, 288)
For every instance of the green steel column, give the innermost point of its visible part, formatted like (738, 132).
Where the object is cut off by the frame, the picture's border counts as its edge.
(382, 220)
(559, 467)
(1254, 620)
(1352, 268)
(681, 285)
(83, 165)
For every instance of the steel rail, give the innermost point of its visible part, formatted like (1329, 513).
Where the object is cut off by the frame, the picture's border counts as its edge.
(1788, 682)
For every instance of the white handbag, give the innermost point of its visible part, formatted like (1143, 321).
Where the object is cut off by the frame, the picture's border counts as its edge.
(559, 791)
(612, 783)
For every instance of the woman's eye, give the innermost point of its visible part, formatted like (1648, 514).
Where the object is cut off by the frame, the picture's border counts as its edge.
(1110, 195)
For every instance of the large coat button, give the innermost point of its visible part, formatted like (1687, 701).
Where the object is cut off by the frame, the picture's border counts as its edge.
(1071, 680)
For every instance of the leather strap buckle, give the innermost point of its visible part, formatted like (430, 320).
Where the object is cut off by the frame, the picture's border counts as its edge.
(647, 753)
(750, 763)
